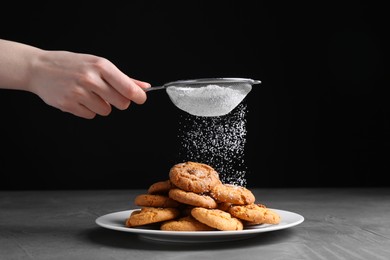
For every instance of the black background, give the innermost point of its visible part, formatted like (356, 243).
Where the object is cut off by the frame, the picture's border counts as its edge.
(320, 118)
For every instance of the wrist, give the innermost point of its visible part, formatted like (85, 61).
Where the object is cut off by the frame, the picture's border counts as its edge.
(34, 63)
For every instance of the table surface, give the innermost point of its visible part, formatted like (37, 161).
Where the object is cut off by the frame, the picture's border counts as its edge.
(350, 223)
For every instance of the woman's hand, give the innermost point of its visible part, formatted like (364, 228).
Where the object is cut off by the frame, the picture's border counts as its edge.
(81, 84)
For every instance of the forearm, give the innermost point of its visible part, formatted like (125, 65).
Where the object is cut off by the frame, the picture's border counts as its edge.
(16, 62)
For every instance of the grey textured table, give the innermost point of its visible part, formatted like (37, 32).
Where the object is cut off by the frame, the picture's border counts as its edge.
(339, 224)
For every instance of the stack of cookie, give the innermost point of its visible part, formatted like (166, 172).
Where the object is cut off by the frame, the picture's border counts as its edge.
(195, 199)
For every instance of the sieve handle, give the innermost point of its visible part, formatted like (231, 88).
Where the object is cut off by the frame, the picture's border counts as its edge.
(155, 88)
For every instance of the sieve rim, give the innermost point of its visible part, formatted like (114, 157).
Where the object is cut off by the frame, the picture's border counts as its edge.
(211, 81)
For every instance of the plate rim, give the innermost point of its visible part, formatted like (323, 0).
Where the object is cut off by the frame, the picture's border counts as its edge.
(101, 221)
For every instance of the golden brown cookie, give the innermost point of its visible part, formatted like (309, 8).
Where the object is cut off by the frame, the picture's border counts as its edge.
(194, 177)
(187, 223)
(232, 194)
(216, 218)
(154, 200)
(254, 214)
(271, 217)
(224, 206)
(149, 215)
(191, 198)
(160, 187)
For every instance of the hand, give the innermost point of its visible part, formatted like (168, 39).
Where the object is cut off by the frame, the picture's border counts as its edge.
(83, 84)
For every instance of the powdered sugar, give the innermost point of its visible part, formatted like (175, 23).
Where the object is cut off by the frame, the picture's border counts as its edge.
(210, 100)
(217, 141)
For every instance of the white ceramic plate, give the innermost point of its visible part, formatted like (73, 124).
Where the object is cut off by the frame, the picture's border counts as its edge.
(116, 221)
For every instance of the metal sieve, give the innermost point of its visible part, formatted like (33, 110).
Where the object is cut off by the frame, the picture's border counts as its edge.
(194, 83)
(208, 97)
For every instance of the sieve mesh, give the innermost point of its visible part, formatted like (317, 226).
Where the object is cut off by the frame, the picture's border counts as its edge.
(208, 97)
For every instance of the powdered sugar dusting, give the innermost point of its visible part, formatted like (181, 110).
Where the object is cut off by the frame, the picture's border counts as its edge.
(216, 141)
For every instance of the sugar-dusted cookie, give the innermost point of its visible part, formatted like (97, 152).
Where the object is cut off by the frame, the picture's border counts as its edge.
(232, 194)
(194, 177)
(216, 218)
(150, 215)
(187, 223)
(160, 187)
(154, 200)
(191, 198)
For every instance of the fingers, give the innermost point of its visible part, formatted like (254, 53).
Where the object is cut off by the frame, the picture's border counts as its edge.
(84, 103)
(96, 104)
(112, 96)
(142, 84)
(126, 86)
(82, 111)
(110, 86)
(95, 96)
(104, 86)
(83, 84)
(103, 94)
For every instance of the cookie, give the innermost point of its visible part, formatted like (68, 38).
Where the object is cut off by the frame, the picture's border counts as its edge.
(191, 198)
(194, 177)
(271, 217)
(224, 206)
(254, 214)
(216, 218)
(149, 215)
(154, 200)
(232, 194)
(187, 223)
(160, 187)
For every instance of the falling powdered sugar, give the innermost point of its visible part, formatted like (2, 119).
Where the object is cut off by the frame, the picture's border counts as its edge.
(209, 100)
(216, 141)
